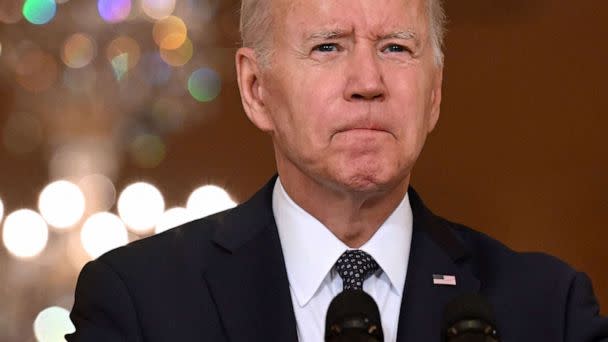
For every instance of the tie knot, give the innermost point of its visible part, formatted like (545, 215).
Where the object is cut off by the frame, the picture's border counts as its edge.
(354, 266)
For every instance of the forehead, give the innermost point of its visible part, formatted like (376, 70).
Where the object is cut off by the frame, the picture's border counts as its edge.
(377, 17)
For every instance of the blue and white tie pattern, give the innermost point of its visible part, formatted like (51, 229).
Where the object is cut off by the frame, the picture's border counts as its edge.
(354, 266)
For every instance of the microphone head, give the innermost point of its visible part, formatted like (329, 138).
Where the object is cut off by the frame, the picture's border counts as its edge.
(469, 315)
(353, 316)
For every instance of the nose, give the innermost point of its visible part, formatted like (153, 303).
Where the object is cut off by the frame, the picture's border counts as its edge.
(365, 81)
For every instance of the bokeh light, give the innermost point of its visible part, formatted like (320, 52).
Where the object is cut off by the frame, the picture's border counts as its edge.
(25, 233)
(67, 117)
(114, 11)
(101, 233)
(36, 70)
(147, 150)
(170, 33)
(52, 324)
(22, 133)
(180, 56)
(140, 205)
(99, 192)
(204, 85)
(39, 12)
(123, 54)
(120, 65)
(78, 50)
(158, 9)
(83, 157)
(172, 218)
(61, 204)
(207, 200)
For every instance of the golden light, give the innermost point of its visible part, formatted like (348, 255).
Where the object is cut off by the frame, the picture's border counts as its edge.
(140, 205)
(78, 50)
(207, 200)
(170, 33)
(101, 233)
(180, 56)
(61, 204)
(123, 53)
(25, 233)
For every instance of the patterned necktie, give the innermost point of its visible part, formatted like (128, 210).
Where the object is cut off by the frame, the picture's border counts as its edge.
(354, 266)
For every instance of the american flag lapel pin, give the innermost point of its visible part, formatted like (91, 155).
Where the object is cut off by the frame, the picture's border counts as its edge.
(444, 279)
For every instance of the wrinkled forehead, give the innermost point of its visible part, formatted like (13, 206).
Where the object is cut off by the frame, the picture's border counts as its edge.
(301, 18)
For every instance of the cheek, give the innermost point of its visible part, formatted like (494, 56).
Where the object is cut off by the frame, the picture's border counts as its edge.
(299, 113)
(411, 92)
(315, 105)
(409, 104)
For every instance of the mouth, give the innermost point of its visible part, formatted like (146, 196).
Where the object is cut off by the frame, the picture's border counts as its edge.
(362, 129)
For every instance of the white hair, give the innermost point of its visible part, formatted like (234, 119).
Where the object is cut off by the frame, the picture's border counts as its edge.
(256, 22)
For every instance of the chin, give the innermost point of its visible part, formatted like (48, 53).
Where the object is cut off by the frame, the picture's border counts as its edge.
(366, 181)
(370, 176)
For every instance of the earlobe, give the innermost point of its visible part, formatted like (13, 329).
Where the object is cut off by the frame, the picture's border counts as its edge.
(251, 89)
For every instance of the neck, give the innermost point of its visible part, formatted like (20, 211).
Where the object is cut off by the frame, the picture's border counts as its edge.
(352, 216)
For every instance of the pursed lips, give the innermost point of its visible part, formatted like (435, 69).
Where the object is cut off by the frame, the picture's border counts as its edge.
(363, 128)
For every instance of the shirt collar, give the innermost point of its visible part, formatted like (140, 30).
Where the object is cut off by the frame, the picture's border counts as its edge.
(390, 245)
(311, 250)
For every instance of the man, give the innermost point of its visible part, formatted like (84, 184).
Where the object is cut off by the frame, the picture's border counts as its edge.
(348, 90)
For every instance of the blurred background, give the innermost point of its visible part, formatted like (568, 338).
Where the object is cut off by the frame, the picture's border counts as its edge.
(121, 118)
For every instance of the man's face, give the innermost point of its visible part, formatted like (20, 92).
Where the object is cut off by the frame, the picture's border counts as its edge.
(352, 90)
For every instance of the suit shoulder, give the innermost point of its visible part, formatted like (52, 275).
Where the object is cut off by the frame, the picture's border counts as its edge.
(189, 241)
(492, 254)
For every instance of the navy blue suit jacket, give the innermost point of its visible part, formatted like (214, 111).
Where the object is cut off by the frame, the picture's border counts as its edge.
(223, 278)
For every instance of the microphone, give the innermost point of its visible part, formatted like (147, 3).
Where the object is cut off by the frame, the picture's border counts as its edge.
(469, 318)
(353, 316)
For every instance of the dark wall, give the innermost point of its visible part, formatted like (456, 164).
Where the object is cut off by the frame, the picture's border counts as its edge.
(520, 151)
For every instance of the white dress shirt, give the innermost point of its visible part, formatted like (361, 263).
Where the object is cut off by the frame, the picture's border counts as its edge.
(311, 250)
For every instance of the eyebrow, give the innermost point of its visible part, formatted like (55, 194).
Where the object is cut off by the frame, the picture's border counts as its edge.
(336, 34)
(405, 35)
(333, 34)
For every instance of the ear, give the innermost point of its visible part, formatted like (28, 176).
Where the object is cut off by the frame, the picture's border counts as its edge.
(251, 88)
(435, 98)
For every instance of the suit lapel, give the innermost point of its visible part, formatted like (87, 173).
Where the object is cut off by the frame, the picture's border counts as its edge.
(434, 250)
(247, 279)
(249, 284)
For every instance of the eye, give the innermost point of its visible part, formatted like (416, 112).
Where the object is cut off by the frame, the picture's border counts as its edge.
(327, 47)
(396, 48)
